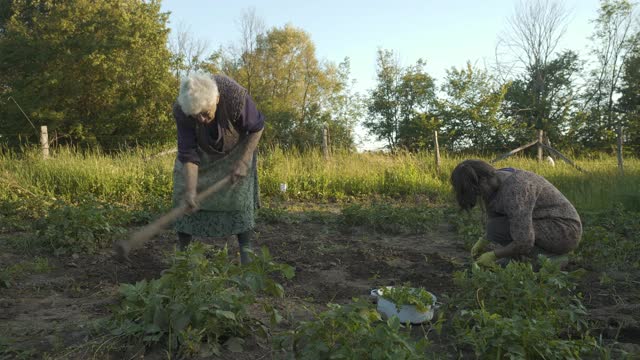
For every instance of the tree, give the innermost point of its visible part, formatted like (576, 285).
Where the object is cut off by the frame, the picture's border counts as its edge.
(532, 37)
(469, 111)
(524, 103)
(252, 28)
(398, 103)
(297, 93)
(187, 52)
(629, 102)
(97, 72)
(613, 42)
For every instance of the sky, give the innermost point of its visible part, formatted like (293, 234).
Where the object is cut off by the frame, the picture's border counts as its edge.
(445, 33)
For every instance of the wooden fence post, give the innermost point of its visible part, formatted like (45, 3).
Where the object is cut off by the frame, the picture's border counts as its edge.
(325, 141)
(540, 136)
(619, 151)
(437, 152)
(44, 141)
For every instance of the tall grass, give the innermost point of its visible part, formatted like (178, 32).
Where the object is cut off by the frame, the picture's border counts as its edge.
(133, 179)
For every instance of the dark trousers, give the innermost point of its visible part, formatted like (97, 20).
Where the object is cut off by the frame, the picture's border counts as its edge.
(553, 237)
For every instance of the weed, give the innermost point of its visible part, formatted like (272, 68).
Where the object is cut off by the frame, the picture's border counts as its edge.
(352, 331)
(518, 313)
(392, 219)
(86, 227)
(200, 303)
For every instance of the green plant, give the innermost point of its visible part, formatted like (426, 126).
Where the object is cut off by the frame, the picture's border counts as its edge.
(392, 219)
(200, 303)
(406, 295)
(515, 312)
(352, 331)
(611, 240)
(468, 224)
(85, 227)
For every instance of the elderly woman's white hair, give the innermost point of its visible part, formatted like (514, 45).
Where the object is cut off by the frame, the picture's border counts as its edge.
(198, 93)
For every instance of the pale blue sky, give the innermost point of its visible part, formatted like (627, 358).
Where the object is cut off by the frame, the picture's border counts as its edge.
(445, 33)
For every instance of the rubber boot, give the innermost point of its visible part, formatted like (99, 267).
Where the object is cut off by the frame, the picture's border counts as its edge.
(244, 243)
(184, 240)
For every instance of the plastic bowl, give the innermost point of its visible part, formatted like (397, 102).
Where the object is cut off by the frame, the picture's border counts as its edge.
(407, 313)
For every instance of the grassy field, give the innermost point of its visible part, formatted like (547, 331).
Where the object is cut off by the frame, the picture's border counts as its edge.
(133, 178)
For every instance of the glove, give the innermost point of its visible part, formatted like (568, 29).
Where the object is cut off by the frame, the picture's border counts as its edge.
(478, 247)
(487, 260)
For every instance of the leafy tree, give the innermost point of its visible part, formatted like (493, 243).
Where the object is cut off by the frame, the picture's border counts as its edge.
(96, 72)
(297, 93)
(532, 37)
(399, 102)
(549, 108)
(469, 110)
(613, 41)
(629, 102)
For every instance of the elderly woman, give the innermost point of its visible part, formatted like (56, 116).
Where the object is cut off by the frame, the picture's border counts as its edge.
(219, 128)
(527, 216)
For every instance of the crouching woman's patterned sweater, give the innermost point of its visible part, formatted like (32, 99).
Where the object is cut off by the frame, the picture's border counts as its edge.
(528, 216)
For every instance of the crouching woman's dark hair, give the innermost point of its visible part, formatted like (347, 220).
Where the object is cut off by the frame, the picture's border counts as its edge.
(465, 179)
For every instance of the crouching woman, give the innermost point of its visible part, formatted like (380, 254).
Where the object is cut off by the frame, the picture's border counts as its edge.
(526, 215)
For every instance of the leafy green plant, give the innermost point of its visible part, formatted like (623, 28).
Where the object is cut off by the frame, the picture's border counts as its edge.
(515, 312)
(468, 224)
(406, 295)
(352, 331)
(611, 240)
(84, 227)
(199, 304)
(495, 336)
(392, 219)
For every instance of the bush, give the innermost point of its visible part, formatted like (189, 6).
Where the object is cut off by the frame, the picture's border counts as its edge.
(200, 303)
(353, 331)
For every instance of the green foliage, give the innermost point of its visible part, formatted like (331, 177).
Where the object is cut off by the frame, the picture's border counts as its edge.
(610, 240)
(144, 186)
(468, 225)
(406, 295)
(543, 98)
(352, 331)
(401, 95)
(84, 227)
(297, 93)
(94, 72)
(515, 312)
(10, 274)
(468, 114)
(392, 219)
(614, 40)
(200, 303)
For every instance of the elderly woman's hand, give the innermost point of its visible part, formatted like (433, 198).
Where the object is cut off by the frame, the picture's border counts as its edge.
(240, 170)
(190, 202)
